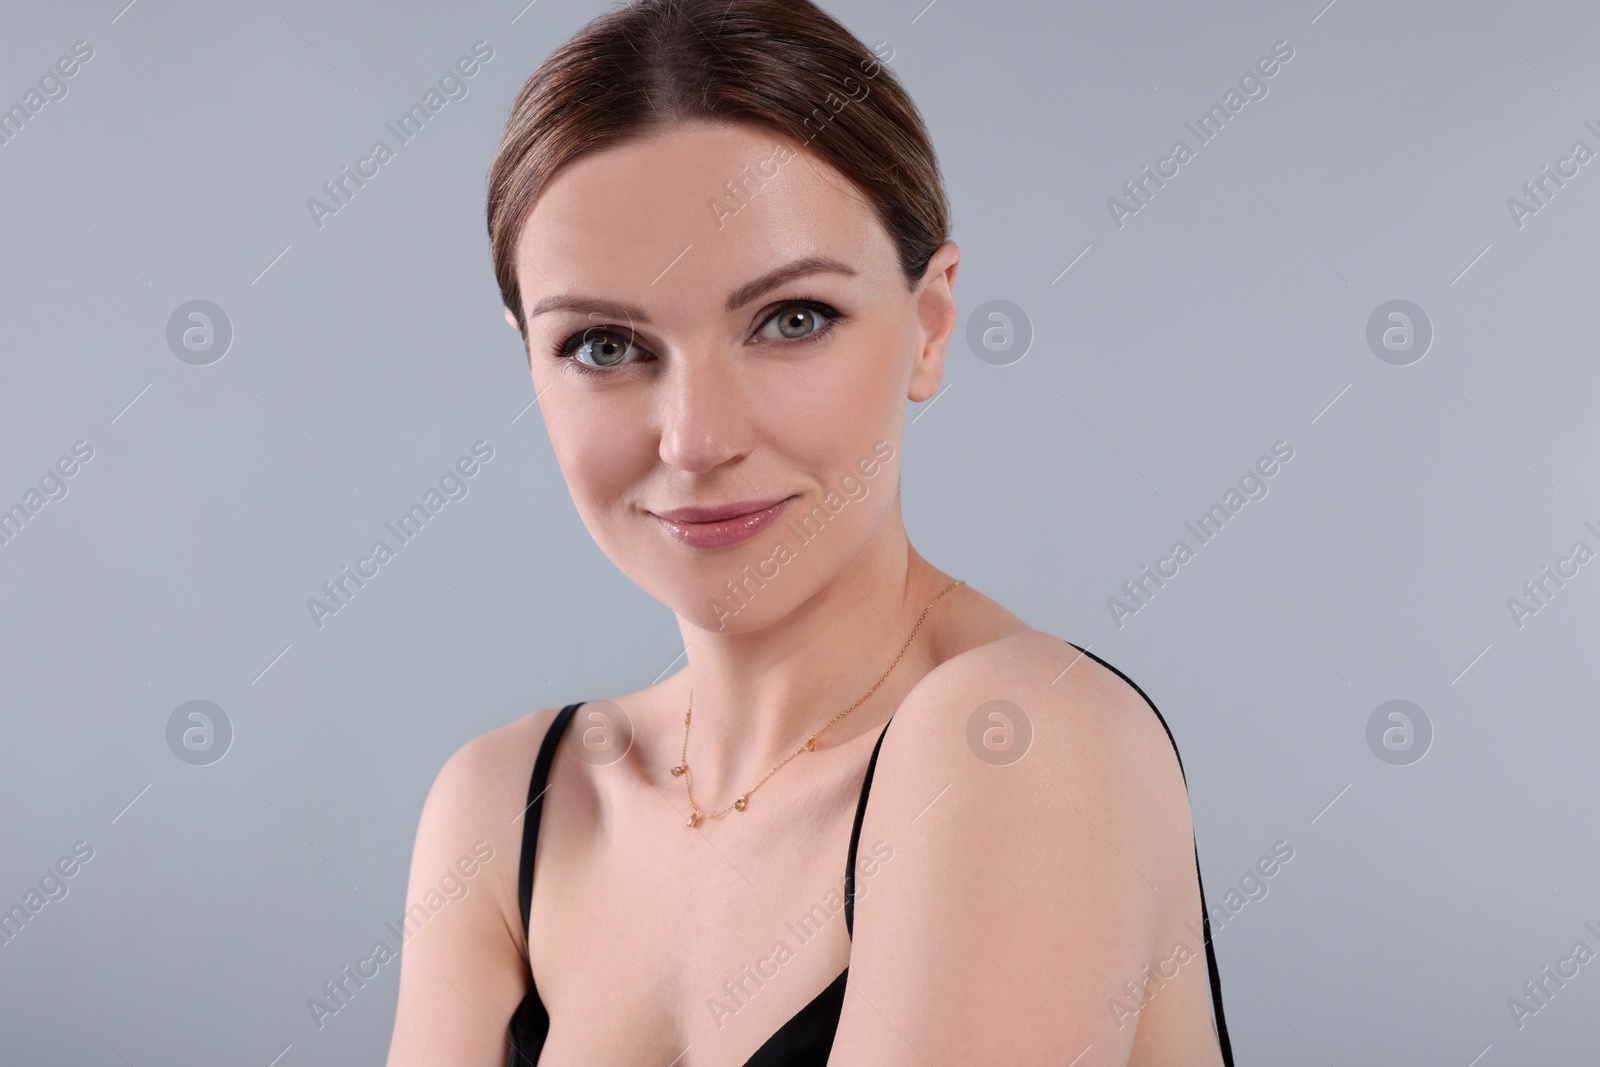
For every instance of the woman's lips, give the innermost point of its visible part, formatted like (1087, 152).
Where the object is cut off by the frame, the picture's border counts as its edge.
(727, 529)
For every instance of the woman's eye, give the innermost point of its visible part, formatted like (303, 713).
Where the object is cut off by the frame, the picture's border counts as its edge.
(600, 348)
(795, 323)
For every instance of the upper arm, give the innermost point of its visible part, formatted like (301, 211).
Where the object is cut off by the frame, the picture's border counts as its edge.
(462, 966)
(1018, 896)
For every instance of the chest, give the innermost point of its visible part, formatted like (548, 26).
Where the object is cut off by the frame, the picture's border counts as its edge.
(656, 943)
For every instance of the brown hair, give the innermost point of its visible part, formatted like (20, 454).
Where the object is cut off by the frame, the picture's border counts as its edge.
(785, 65)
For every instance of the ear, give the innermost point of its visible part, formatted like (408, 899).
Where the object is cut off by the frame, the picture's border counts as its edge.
(936, 314)
(512, 319)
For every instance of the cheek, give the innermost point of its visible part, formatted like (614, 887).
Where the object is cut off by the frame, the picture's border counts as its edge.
(857, 393)
(594, 445)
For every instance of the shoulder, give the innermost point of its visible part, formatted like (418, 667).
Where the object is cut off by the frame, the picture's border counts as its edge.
(464, 946)
(1036, 703)
(1033, 835)
(490, 769)
(476, 801)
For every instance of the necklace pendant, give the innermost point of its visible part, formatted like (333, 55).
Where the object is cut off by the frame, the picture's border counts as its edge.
(739, 805)
(694, 818)
(679, 770)
(811, 745)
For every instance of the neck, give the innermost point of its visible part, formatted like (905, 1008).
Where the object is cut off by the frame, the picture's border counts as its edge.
(760, 693)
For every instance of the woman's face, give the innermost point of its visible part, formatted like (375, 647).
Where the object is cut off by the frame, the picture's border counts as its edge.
(696, 371)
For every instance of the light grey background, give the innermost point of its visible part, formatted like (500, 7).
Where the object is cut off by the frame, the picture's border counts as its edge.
(1228, 314)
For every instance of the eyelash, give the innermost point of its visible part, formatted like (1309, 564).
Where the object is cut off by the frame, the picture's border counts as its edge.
(563, 350)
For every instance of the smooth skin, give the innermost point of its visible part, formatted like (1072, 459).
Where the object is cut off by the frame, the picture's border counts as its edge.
(1000, 908)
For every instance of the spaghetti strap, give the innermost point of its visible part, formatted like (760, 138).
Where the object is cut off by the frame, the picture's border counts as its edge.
(530, 814)
(855, 837)
(1224, 1044)
(530, 1022)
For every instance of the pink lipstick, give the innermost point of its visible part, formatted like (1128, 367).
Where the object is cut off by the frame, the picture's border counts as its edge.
(721, 525)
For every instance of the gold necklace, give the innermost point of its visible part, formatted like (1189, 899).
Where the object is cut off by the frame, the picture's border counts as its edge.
(743, 801)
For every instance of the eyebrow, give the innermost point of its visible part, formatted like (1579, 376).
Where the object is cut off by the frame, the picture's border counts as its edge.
(738, 298)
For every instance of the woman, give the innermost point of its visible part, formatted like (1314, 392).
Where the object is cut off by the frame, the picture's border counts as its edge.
(718, 228)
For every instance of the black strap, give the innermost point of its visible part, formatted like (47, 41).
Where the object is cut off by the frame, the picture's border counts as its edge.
(1205, 916)
(855, 837)
(530, 814)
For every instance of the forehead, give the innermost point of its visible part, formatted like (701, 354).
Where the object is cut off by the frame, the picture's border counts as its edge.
(661, 218)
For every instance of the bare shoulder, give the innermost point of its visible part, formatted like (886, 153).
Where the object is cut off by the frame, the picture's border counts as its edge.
(477, 799)
(464, 947)
(1036, 703)
(1038, 829)
(1030, 718)
(495, 764)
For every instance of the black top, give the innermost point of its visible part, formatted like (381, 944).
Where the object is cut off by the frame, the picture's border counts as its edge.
(807, 1038)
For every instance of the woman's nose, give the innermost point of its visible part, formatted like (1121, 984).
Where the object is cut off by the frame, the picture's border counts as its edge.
(703, 413)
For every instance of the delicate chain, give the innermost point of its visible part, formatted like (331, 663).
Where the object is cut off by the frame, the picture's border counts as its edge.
(743, 800)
